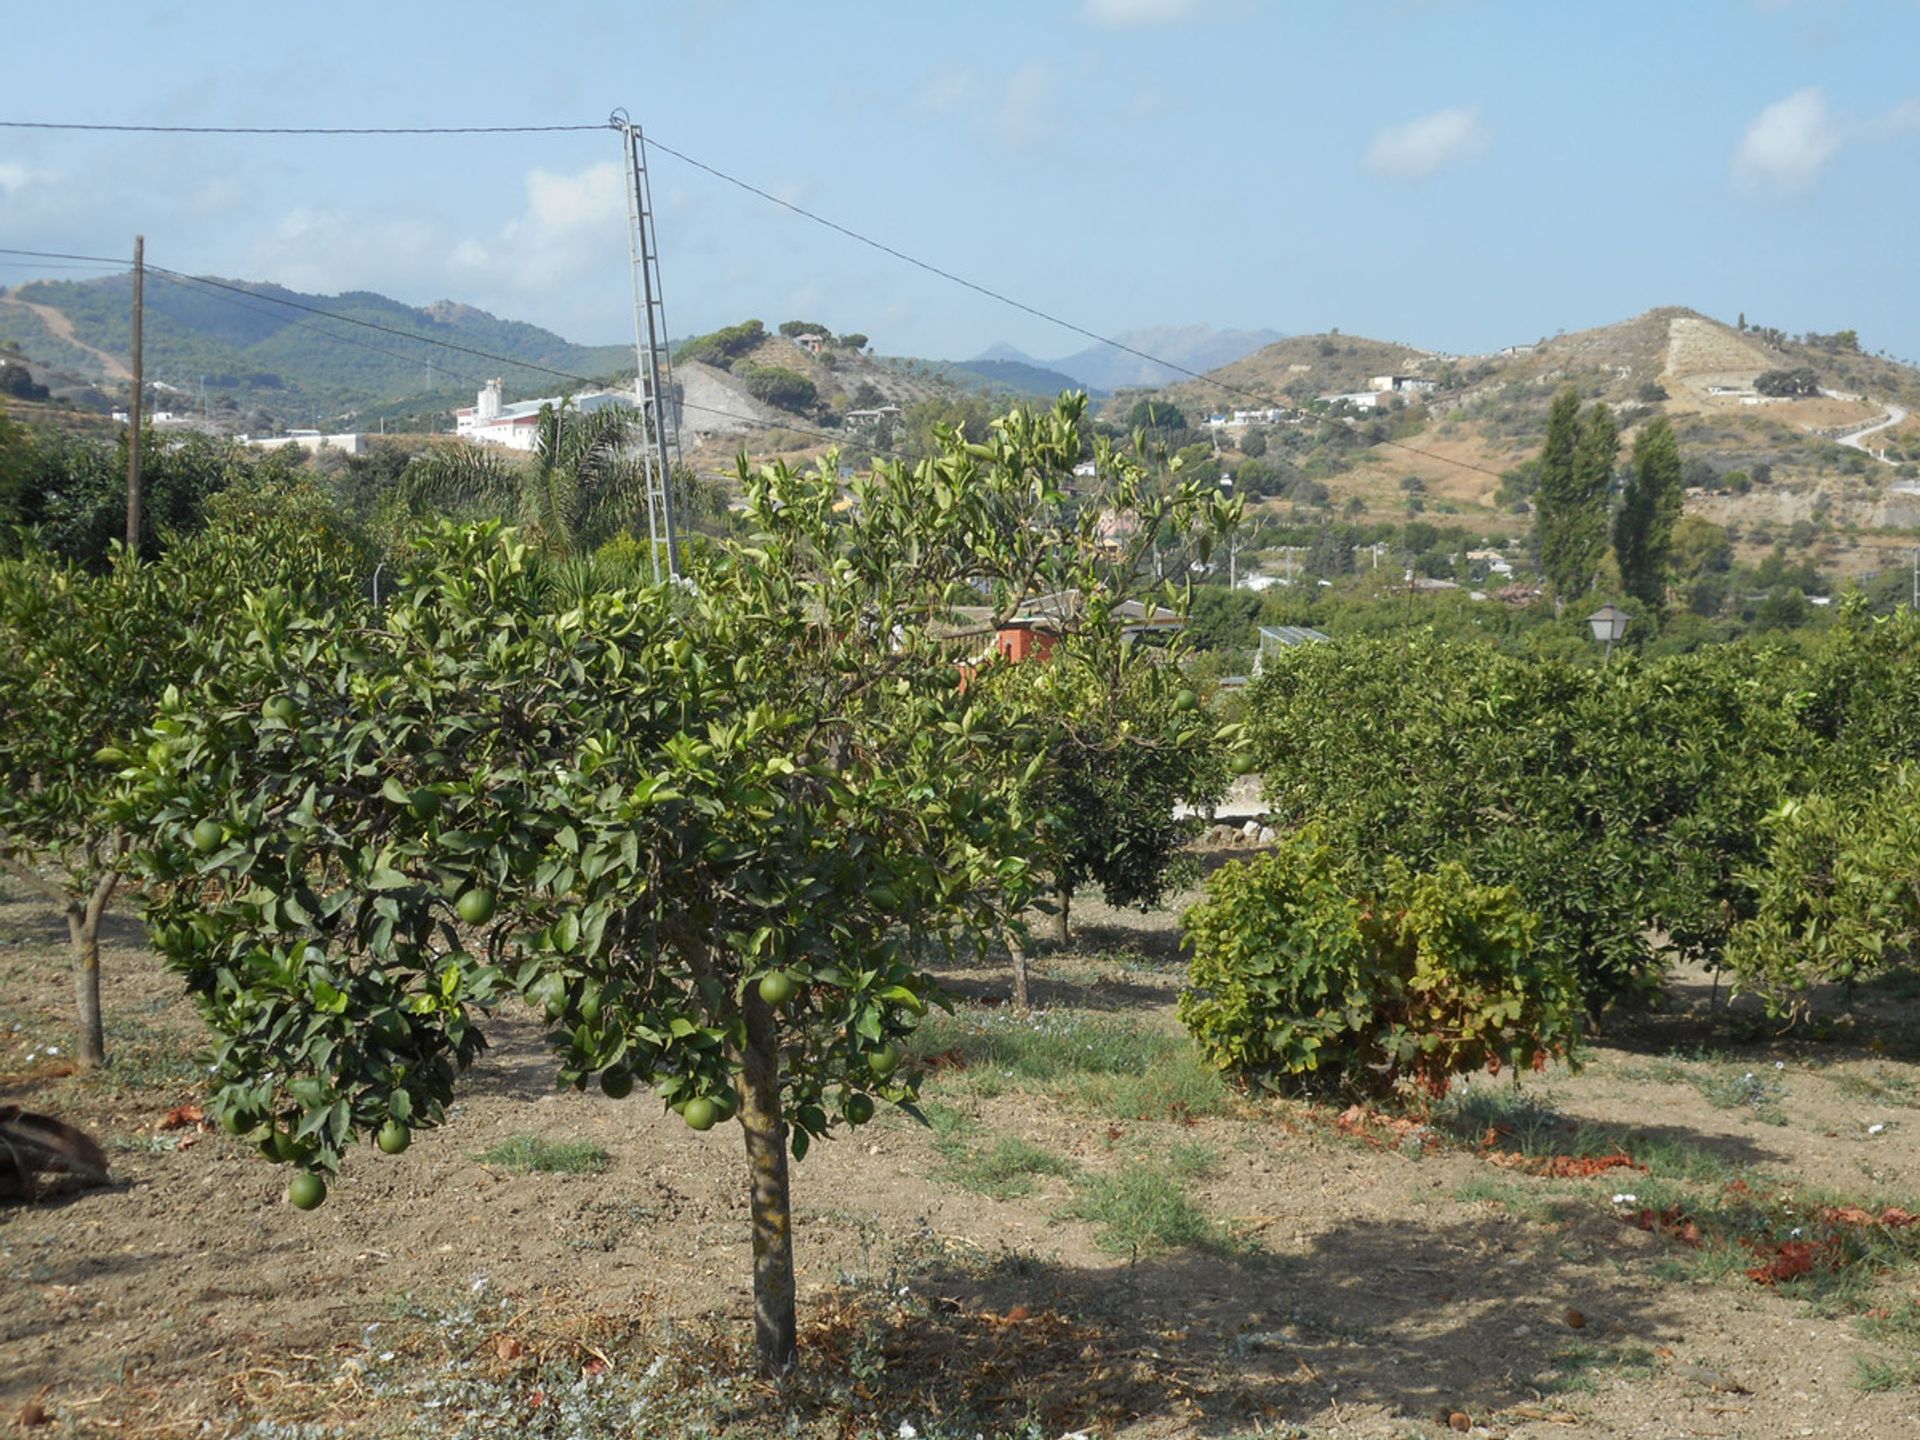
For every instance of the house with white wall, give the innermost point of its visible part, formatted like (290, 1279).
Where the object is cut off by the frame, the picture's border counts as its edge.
(491, 421)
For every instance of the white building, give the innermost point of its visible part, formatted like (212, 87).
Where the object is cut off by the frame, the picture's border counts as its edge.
(489, 422)
(311, 441)
(1404, 383)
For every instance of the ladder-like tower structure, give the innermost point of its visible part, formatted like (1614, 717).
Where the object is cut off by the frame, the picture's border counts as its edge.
(653, 379)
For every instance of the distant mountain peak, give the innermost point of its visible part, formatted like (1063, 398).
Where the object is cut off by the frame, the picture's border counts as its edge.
(1194, 347)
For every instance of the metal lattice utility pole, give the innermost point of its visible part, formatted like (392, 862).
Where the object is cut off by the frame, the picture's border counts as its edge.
(653, 380)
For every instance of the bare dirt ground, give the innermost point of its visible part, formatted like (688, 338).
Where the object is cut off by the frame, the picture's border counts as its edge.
(1268, 1268)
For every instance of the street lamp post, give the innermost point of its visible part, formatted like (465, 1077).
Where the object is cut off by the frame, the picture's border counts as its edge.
(1609, 624)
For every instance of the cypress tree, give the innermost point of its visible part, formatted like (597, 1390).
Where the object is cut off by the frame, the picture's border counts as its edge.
(1576, 472)
(1643, 530)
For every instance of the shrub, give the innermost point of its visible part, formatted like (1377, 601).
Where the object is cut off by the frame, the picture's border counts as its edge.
(1300, 982)
(1782, 383)
(1538, 775)
(776, 385)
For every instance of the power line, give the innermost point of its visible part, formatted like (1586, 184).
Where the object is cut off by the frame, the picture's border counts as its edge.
(299, 129)
(186, 280)
(63, 255)
(372, 325)
(215, 286)
(1266, 401)
(180, 278)
(848, 232)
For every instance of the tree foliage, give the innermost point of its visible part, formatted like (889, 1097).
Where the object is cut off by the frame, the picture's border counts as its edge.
(1788, 384)
(707, 829)
(1570, 498)
(85, 657)
(778, 386)
(723, 346)
(1124, 744)
(582, 484)
(1305, 976)
(1539, 774)
(1649, 510)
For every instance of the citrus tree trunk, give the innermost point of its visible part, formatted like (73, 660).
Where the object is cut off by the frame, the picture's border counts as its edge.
(1065, 901)
(1018, 953)
(775, 1340)
(83, 931)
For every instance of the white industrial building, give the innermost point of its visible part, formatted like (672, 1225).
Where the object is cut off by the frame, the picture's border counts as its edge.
(516, 426)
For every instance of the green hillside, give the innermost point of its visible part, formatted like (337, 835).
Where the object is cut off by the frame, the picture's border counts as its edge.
(256, 353)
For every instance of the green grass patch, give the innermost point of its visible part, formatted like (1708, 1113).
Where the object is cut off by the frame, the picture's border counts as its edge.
(1542, 1201)
(1873, 1375)
(547, 1157)
(1192, 1159)
(1007, 1168)
(1578, 1366)
(1122, 1070)
(1885, 1086)
(1002, 1168)
(1532, 1128)
(1143, 1209)
(142, 1055)
(1734, 1087)
(1831, 1251)
(1896, 1324)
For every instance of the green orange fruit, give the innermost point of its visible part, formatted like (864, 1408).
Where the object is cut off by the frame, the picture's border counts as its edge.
(393, 1137)
(475, 906)
(859, 1108)
(207, 836)
(883, 1060)
(700, 1113)
(307, 1192)
(617, 1083)
(776, 988)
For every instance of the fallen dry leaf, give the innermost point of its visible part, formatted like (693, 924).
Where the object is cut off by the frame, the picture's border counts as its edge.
(181, 1116)
(1575, 1320)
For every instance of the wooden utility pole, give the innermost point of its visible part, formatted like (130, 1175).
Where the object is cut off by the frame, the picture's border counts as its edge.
(133, 410)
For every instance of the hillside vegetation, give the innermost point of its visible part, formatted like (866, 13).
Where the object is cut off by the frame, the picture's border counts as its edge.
(259, 355)
(1762, 462)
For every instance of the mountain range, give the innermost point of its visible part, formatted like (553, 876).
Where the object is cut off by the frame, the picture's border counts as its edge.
(262, 346)
(1190, 348)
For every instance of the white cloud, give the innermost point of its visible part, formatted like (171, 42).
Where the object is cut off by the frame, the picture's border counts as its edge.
(1428, 145)
(570, 227)
(15, 177)
(1787, 146)
(318, 249)
(1025, 113)
(1902, 119)
(1131, 14)
(947, 88)
(1148, 103)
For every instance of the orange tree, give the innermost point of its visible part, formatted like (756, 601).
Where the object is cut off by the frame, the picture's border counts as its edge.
(1125, 742)
(83, 660)
(705, 828)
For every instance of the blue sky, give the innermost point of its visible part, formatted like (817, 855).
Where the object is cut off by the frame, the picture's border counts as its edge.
(1458, 174)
